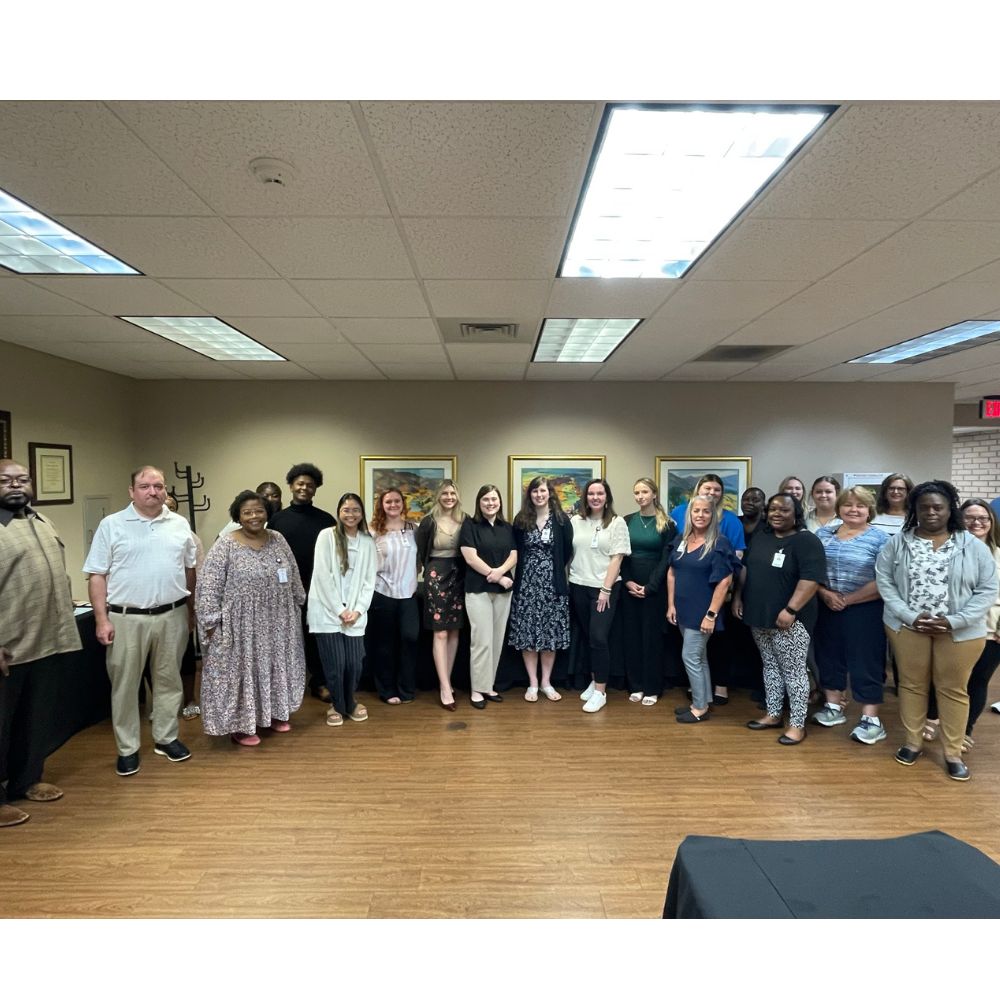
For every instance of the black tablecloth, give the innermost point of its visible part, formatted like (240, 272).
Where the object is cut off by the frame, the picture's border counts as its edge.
(927, 874)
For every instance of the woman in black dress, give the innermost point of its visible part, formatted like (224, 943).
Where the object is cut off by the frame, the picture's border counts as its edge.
(444, 589)
(539, 616)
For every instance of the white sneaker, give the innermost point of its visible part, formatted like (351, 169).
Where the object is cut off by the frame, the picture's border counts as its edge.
(596, 702)
(587, 692)
(191, 711)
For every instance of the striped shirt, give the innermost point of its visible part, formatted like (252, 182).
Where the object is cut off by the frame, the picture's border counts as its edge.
(850, 563)
(397, 564)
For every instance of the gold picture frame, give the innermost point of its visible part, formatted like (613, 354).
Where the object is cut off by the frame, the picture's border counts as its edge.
(676, 476)
(568, 474)
(417, 477)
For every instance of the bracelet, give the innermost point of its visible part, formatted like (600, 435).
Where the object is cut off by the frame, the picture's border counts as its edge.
(792, 611)
(604, 590)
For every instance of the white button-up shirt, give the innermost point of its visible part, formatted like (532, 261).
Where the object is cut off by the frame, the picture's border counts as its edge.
(144, 559)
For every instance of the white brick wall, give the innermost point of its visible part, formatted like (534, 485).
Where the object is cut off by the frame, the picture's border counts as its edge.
(975, 464)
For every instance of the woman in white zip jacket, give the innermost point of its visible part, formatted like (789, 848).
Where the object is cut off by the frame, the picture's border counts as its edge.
(937, 582)
(343, 582)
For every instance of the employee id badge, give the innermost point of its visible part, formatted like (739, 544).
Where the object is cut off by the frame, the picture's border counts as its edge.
(546, 535)
(594, 540)
(779, 559)
(282, 575)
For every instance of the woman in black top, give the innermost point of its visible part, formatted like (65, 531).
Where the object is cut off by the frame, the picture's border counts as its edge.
(651, 534)
(776, 597)
(487, 544)
(539, 614)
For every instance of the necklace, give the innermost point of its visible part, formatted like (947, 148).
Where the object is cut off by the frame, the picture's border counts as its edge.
(644, 522)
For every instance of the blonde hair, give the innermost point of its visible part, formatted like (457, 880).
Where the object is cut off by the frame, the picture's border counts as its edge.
(437, 511)
(663, 519)
(860, 495)
(711, 532)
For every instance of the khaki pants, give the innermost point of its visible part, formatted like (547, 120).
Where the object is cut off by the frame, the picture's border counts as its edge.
(921, 659)
(487, 622)
(162, 638)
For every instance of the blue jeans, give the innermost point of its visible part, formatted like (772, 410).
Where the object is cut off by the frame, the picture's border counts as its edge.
(695, 656)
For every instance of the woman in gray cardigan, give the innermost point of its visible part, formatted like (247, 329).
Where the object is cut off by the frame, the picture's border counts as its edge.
(937, 582)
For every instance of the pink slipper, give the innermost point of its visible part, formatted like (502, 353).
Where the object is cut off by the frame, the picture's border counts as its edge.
(246, 739)
(280, 727)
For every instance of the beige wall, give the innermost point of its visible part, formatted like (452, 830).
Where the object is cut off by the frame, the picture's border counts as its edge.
(53, 401)
(239, 433)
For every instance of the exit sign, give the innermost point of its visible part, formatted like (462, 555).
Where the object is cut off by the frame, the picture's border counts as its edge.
(989, 408)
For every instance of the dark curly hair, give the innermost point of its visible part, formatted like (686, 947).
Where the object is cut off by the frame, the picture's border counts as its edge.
(241, 499)
(305, 469)
(943, 488)
(800, 513)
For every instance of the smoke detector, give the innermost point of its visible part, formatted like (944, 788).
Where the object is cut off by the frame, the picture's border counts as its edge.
(270, 171)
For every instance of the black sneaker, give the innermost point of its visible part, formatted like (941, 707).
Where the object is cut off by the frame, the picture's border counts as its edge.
(174, 751)
(127, 765)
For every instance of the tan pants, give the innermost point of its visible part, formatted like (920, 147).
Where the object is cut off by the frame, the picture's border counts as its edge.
(487, 623)
(921, 659)
(162, 638)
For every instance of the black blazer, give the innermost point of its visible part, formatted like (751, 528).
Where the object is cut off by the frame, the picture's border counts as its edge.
(562, 554)
(654, 583)
(426, 531)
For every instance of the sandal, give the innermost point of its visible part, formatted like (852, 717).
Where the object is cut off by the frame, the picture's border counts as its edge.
(635, 697)
(649, 699)
(246, 739)
(280, 725)
(931, 730)
(334, 718)
(551, 693)
(531, 694)
(360, 713)
(967, 743)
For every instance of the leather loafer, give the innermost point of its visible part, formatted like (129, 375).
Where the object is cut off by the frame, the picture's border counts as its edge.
(720, 699)
(787, 741)
(493, 697)
(957, 770)
(478, 704)
(906, 756)
(755, 725)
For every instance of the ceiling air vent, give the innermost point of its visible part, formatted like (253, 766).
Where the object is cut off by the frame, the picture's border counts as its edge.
(743, 352)
(478, 331)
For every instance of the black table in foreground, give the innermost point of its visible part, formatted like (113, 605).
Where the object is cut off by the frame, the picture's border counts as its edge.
(928, 875)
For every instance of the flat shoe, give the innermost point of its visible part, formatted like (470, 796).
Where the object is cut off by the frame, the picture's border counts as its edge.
(12, 816)
(493, 697)
(635, 697)
(649, 699)
(334, 718)
(788, 741)
(756, 725)
(531, 694)
(720, 699)
(689, 716)
(246, 739)
(360, 713)
(957, 770)
(478, 704)
(43, 792)
(906, 756)
(280, 726)
(551, 693)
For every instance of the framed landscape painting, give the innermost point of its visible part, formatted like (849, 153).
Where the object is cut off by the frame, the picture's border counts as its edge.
(677, 476)
(568, 474)
(417, 477)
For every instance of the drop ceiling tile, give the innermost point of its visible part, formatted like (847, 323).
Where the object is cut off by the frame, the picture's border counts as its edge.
(272, 370)
(557, 371)
(211, 143)
(789, 249)
(486, 248)
(22, 298)
(487, 299)
(416, 372)
(777, 372)
(328, 248)
(174, 248)
(418, 354)
(971, 359)
(608, 297)
(309, 354)
(271, 331)
(118, 295)
(707, 371)
(77, 158)
(202, 370)
(628, 373)
(835, 373)
(238, 297)
(363, 298)
(727, 302)
(388, 331)
(340, 372)
(887, 161)
(489, 354)
(482, 158)
(29, 330)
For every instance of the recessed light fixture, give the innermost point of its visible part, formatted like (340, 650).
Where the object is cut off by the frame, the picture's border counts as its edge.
(581, 339)
(939, 344)
(206, 335)
(668, 179)
(32, 243)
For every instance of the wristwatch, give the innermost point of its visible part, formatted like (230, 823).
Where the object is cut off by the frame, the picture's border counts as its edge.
(711, 615)
(792, 611)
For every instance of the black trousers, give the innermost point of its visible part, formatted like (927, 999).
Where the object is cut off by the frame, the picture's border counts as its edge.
(342, 656)
(27, 698)
(594, 628)
(391, 643)
(645, 642)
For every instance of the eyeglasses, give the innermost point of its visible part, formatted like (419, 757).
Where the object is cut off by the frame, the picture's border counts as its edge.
(895, 489)
(976, 519)
(15, 480)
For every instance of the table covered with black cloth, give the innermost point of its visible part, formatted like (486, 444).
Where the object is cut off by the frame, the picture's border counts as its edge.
(927, 875)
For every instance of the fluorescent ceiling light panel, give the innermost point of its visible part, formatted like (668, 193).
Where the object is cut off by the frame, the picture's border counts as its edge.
(668, 179)
(32, 243)
(950, 340)
(581, 339)
(206, 335)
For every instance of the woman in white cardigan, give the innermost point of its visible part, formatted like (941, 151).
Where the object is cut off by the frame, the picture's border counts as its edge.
(343, 581)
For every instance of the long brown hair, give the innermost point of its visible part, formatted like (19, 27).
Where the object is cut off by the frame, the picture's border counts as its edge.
(609, 500)
(526, 518)
(378, 515)
(340, 536)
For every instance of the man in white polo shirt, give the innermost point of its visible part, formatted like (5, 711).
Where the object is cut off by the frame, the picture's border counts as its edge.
(141, 566)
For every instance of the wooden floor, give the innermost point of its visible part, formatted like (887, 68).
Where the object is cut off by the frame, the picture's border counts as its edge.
(521, 810)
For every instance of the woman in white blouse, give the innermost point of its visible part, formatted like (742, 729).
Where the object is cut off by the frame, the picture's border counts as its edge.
(394, 618)
(600, 543)
(343, 582)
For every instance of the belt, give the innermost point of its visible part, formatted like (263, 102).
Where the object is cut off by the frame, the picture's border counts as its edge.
(118, 609)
